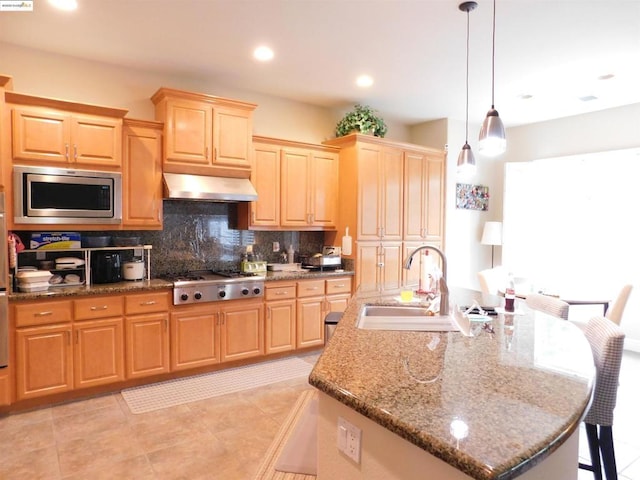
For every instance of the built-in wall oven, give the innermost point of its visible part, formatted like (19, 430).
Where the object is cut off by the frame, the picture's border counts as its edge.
(4, 305)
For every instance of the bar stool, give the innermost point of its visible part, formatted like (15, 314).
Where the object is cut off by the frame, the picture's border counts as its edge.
(547, 304)
(607, 341)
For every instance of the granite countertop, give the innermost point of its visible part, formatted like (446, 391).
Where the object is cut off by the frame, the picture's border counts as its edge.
(306, 274)
(101, 289)
(154, 284)
(514, 395)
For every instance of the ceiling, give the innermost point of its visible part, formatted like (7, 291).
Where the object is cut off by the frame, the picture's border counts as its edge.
(553, 51)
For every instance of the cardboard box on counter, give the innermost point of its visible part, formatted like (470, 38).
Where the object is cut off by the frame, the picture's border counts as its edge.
(55, 240)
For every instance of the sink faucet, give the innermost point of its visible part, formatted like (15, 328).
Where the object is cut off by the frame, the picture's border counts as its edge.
(444, 290)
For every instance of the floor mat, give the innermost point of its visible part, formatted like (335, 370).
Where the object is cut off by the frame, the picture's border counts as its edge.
(267, 469)
(147, 398)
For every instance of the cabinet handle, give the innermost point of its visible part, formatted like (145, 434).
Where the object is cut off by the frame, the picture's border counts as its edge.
(95, 308)
(66, 151)
(150, 302)
(281, 293)
(77, 337)
(166, 324)
(75, 152)
(339, 285)
(43, 314)
(268, 313)
(222, 321)
(253, 217)
(206, 153)
(68, 335)
(215, 154)
(312, 288)
(380, 264)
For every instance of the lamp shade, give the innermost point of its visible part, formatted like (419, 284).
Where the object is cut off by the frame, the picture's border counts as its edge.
(492, 233)
(492, 138)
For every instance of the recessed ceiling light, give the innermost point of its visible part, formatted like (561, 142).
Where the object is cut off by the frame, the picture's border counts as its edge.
(588, 98)
(606, 77)
(263, 54)
(525, 96)
(364, 81)
(64, 4)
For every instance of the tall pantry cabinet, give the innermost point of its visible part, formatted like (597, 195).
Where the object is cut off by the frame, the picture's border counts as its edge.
(392, 199)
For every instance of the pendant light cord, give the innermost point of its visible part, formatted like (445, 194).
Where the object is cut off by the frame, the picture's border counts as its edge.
(493, 56)
(466, 130)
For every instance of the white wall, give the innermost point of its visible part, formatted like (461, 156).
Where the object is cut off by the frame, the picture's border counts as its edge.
(42, 74)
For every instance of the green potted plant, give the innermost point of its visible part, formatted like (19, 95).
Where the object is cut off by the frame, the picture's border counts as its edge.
(361, 119)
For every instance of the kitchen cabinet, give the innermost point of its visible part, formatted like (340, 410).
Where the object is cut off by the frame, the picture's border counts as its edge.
(280, 316)
(44, 353)
(398, 196)
(6, 85)
(296, 184)
(63, 345)
(204, 134)
(142, 175)
(379, 266)
(313, 304)
(147, 334)
(60, 133)
(423, 196)
(209, 334)
(309, 189)
(411, 277)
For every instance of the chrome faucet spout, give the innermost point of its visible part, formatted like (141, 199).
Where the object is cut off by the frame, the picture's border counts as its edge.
(444, 289)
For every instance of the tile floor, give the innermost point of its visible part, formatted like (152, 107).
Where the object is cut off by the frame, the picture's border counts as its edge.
(220, 438)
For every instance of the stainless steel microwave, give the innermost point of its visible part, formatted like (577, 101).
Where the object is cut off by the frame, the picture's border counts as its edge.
(60, 195)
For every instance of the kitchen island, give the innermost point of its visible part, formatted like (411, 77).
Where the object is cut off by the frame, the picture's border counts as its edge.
(503, 403)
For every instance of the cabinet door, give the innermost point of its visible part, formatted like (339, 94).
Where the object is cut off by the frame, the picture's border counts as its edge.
(368, 263)
(434, 205)
(280, 326)
(147, 344)
(391, 270)
(231, 137)
(310, 322)
(265, 176)
(96, 141)
(369, 193)
(98, 352)
(242, 331)
(194, 337)
(324, 189)
(41, 135)
(5, 387)
(392, 194)
(295, 211)
(142, 194)
(379, 266)
(338, 303)
(44, 360)
(423, 197)
(189, 132)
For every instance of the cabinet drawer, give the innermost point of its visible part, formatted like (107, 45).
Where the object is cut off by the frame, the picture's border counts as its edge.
(42, 313)
(310, 288)
(338, 285)
(280, 292)
(146, 303)
(97, 307)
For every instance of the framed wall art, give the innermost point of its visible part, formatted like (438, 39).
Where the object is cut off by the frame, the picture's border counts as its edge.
(472, 197)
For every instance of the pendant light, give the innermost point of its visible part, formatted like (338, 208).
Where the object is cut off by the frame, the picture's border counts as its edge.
(466, 160)
(492, 138)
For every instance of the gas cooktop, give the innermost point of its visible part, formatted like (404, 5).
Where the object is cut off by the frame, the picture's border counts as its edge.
(200, 286)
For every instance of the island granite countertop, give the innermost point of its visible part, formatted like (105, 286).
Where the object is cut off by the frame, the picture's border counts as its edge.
(492, 405)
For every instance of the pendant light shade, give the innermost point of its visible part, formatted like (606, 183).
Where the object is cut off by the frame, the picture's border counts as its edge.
(466, 160)
(492, 140)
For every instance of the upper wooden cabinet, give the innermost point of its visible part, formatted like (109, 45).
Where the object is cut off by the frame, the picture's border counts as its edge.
(204, 134)
(297, 185)
(55, 132)
(142, 193)
(423, 196)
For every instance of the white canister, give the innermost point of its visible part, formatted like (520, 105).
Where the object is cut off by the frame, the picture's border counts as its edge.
(133, 270)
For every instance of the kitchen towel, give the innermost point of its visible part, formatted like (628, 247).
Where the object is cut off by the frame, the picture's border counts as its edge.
(147, 398)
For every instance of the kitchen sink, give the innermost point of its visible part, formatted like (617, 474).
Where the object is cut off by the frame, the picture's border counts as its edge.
(404, 318)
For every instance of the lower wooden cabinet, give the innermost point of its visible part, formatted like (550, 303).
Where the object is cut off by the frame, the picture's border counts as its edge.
(98, 352)
(310, 322)
(44, 359)
(204, 335)
(280, 317)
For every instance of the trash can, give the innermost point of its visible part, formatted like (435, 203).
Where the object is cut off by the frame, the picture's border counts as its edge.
(330, 323)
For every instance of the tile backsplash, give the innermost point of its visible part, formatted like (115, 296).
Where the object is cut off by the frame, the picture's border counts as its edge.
(203, 235)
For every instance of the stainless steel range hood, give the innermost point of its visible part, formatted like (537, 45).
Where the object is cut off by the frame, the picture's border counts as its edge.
(205, 188)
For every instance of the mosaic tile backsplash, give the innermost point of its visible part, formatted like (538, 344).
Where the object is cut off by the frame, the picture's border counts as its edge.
(203, 235)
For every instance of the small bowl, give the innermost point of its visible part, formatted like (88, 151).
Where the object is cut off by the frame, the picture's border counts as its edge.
(96, 242)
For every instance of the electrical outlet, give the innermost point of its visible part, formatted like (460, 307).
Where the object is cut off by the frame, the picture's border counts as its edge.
(275, 247)
(349, 439)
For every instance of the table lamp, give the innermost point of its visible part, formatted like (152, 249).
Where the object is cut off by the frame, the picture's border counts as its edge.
(492, 235)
